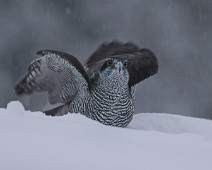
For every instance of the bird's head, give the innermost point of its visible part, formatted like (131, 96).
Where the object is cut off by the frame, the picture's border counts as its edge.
(115, 68)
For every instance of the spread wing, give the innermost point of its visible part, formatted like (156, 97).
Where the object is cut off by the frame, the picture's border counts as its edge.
(142, 63)
(58, 73)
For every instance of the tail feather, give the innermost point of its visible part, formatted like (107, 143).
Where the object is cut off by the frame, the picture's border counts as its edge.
(58, 111)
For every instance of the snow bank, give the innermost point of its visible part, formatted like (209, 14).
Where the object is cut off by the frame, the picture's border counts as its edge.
(31, 140)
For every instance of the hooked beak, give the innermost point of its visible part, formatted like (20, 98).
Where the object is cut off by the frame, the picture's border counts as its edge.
(119, 66)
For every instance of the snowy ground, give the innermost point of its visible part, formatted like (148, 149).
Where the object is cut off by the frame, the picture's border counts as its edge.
(31, 140)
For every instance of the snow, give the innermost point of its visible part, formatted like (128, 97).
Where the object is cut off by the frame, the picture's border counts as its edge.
(31, 140)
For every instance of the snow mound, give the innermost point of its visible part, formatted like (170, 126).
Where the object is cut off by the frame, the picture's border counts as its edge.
(31, 140)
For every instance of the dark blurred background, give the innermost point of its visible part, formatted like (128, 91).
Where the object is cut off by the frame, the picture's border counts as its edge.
(178, 31)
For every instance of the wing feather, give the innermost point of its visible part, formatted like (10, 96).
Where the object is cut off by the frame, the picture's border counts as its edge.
(110, 49)
(142, 63)
(58, 73)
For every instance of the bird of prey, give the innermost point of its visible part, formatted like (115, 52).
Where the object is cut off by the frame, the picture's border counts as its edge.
(103, 89)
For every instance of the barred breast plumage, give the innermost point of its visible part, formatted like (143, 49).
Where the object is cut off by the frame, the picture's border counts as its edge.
(103, 90)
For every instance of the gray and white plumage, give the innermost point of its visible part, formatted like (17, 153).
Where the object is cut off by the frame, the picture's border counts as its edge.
(102, 90)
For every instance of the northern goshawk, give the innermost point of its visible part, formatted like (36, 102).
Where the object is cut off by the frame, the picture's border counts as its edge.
(103, 90)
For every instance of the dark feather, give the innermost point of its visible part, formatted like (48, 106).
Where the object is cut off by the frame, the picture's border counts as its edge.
(142, 63)
(110, 49)
(58, 111)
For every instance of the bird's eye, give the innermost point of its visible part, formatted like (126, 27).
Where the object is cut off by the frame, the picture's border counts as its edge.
(125, 64)
(109, 62)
